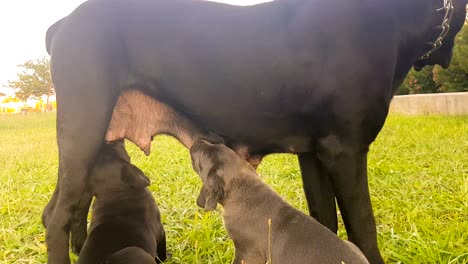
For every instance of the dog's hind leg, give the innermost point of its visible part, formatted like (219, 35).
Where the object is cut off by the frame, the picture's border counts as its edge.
(49, 209)
(318, 191)
(78, 229)
(80, 133)
(86, 82)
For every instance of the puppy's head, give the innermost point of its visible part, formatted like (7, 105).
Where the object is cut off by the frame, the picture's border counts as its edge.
(216, 164)
(113, 174)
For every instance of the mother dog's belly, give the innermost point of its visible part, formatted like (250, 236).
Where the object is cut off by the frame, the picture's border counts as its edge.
(261, 135)
(266, 124)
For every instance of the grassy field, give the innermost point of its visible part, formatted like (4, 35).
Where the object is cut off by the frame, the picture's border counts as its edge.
(418, 170)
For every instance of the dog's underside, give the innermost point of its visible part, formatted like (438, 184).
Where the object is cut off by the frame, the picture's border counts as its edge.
(139, 117)
(298, 76)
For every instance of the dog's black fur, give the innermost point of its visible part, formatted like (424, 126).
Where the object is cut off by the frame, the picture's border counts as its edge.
(264, 227)
(310, 77)
(126, 223)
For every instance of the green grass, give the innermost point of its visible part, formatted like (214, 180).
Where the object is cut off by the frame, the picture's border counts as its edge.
(418, 170)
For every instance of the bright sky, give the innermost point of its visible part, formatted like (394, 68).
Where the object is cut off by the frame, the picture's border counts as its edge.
(23, 24)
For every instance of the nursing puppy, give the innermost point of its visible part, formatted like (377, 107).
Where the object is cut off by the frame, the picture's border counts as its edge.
(126, 223)
(264, 228)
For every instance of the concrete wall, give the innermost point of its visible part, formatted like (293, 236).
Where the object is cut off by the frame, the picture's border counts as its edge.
(430, 104)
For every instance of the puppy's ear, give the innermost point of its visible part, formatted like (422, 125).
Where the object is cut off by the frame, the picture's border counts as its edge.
(212, 138)
(134, 177)
(196, 164)
(211, 193)
(196, 153)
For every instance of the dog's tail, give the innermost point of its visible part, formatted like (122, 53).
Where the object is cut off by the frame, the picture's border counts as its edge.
(51, 32)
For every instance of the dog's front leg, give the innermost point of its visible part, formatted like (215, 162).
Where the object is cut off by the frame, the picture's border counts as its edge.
(245, 255)
(346, 163)
(318, 191)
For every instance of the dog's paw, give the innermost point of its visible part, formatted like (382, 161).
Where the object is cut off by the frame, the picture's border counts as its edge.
(78, 237)
(77, 245)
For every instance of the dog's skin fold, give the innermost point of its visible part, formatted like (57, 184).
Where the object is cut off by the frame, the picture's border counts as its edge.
(309, 77)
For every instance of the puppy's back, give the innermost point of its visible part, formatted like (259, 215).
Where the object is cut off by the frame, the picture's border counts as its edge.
(110, 238)
(131, 255)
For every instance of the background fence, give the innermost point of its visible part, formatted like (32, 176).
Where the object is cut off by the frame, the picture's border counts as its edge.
(431, 104)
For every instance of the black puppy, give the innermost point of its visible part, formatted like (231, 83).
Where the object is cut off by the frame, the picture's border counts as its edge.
(126, 223)
(264, 227)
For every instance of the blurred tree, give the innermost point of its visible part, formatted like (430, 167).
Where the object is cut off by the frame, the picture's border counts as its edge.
(419, 82)
(436, 79)
(453, 79)
(461, 49)
(34, 81)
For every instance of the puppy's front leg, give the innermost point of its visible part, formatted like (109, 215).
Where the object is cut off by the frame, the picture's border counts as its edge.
(241, 258)
(161, 250)
(238, 260)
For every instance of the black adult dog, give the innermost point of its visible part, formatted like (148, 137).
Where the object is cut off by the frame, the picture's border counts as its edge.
(126, 223)
(263, 226)
(301, 76)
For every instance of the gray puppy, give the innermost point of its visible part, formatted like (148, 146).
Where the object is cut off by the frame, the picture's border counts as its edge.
(264, 227)
(126, 223)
